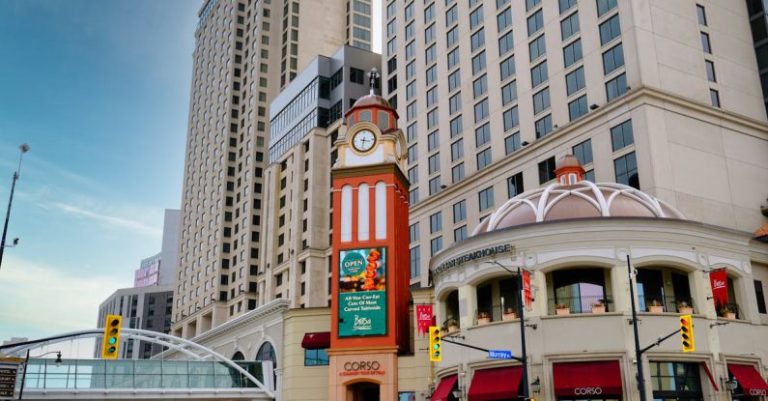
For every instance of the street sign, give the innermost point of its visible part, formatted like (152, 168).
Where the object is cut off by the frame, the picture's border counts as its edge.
(499, 354)
(8, 372)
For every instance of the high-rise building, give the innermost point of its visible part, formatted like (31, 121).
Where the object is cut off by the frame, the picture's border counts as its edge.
(246, 52)
(149, 303)
(664, 96)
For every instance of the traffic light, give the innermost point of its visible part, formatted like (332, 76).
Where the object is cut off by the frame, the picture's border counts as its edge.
(111, 343)
(686, 333)
(435, 344)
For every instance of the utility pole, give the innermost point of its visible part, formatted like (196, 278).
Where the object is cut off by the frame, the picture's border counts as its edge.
(521, 311)
(24, 148)
(638, 350)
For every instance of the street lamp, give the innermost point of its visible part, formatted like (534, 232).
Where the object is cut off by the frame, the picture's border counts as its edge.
(26, 365)
(731, 384)
(24, 148)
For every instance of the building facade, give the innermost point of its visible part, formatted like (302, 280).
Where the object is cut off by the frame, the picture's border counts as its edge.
(576, 239)
(246, 52)
(663, 96)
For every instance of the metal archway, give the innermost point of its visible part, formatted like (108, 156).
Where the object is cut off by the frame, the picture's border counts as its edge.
(189, 348)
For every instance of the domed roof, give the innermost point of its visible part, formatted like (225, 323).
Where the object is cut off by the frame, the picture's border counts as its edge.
(371, 100)
(576, 200)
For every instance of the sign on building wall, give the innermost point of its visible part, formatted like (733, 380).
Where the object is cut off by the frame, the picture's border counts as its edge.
(363, 292)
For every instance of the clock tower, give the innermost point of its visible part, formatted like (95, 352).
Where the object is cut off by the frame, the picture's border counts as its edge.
(370, 282)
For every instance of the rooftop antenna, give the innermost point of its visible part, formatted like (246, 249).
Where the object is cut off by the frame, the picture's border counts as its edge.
(373, 75)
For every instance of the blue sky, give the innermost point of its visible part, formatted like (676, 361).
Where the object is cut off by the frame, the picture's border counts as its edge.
(100, 91)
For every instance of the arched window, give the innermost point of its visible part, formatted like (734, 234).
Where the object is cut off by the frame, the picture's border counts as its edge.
(238, 356)
(267, 353)
(451, 305)
(496, 298)
(663, 289)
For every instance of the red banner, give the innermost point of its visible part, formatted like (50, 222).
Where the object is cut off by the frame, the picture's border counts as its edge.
(423, 318)
(527, 294)
(719, 281)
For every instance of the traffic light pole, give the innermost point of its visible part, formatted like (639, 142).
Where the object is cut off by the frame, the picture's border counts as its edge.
(523, 353)
(638, 351)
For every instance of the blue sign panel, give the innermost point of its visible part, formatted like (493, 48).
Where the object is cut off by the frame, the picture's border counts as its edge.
(499, 354)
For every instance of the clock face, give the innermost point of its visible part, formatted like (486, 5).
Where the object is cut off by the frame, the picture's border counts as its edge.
(363, 140)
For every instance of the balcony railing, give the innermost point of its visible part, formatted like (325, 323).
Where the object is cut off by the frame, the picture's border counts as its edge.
(584, 304)
(669, 304)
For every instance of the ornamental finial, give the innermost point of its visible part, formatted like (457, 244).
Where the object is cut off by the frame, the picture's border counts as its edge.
(373, 75)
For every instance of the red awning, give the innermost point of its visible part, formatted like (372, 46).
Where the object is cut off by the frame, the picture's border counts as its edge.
(319, 340)
(587, 379)
(749, 379)
(495, 384)
(444, 389)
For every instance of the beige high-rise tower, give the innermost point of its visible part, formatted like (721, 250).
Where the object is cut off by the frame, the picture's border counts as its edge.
(246, 52)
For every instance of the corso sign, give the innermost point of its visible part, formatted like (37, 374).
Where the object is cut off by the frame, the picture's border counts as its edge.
(354, 368)
(588, 391)
(758, 392)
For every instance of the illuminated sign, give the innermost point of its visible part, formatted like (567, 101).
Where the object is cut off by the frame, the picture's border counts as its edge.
(363, 292)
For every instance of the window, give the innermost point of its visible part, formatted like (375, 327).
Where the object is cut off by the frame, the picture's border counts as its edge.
(434, 163)
(409, 11)
(356, 75)
(482, 135)
(485, 199)
(543, 126)
(413, 196)
(435, 245)
(435, 222)
(409, 31)
(410, 70)
(572, 53)
(454, 103)
(410, 111)
(702, 14)
(483, 158)
(430, 54)
(431, 96)
(547, 170)
(509, 93)
(714, 96)
(429, 13)
(537, 48)
(511, 119)
(512, 143)
(480, 87)
(621, 135)
(410, 90)
(539, 74)
(451, 16)
(566, 5)
(476, 18)
(459, 211)
(574, 81)
(529, 4)
(481, 110)
(452, 37)
(577, 108)
(504, 20)
(457, 173)
(429, 34)
(705, 43)
(603, 6)
(506, 43)
(760, 296)
(610, 29)
(710, 71)
(477, 39)
(535, 22)
(541, 101)
(583, 152)
(413, 175)
(460, 234)
(616, 87)
(411, 132)
(410, 50)
(569, 26)
(412, 153)
(515, 185)
(315, 357)
(453, 58)
(434, 185)
(626, 170)
(478, 63)
(433, 140)
(432, 118)
(457, 126)
(415, 256)
(676, 380)
(613, 58)
(454, 80)
(507, 68)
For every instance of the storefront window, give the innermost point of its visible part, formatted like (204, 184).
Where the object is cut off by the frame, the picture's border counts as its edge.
(663, 290)
(676, 381)
(579, 290)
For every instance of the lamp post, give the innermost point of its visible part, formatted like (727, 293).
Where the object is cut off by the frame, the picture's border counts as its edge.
(26, 365)
(24, 148)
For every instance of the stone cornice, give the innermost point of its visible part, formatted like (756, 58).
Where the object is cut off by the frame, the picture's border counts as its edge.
(274, 307)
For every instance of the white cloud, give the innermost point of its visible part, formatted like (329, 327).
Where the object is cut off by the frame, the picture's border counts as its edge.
(110, 220)
(40, 300)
